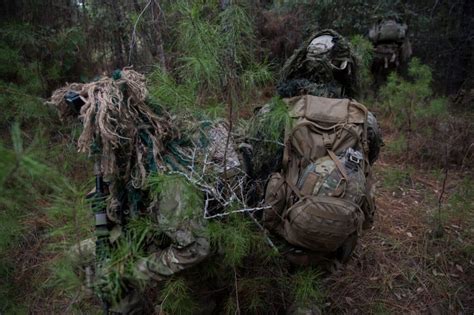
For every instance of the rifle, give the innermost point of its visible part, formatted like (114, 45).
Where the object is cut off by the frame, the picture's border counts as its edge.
(102, 233)
(102, 224)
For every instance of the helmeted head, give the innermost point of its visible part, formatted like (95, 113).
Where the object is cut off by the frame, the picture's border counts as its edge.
(324, 65)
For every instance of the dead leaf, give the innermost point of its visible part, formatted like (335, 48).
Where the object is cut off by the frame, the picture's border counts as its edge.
(459, 268)
(409, 234)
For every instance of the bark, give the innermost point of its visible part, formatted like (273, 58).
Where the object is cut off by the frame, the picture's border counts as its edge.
(157, 16)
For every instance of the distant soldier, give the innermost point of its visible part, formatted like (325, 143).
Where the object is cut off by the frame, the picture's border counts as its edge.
(392, 48)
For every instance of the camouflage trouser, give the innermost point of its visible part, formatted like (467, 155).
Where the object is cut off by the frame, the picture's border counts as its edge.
(184, 226)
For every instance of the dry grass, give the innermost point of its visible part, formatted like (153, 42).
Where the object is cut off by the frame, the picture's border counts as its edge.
(400, 266)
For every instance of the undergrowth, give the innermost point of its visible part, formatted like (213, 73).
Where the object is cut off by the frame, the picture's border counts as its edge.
(216, 63)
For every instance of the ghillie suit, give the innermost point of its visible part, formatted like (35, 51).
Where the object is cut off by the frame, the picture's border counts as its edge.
(392, 48)
(324, 65)
(117, 125)
(147, 169)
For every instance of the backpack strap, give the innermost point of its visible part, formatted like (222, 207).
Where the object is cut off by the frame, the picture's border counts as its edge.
(364, 143)
(286, 153)
(338, 164)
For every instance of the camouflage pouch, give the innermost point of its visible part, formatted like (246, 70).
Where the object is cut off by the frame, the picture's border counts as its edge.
(275, 196)
(328, 211)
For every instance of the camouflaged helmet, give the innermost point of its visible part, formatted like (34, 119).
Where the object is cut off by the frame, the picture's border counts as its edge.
(324, 65)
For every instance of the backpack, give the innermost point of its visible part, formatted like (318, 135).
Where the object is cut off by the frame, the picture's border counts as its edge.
(388, 30)
(321, 197)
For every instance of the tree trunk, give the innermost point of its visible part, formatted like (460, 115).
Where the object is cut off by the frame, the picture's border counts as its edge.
(156, 19)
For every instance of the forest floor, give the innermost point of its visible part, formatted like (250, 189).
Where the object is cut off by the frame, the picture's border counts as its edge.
(417, 257)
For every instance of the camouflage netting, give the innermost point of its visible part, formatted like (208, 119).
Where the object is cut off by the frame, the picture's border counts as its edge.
(327, 68)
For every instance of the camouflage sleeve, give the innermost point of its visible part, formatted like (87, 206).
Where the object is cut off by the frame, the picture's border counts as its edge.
(374, 137)
(183, 223)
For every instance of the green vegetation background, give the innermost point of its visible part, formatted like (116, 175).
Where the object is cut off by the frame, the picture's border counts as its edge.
(206, 60)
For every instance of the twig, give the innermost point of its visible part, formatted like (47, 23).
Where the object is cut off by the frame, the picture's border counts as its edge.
(224, 214)
(439, 231)
(269, 241)
(134, 33)
(236, 292)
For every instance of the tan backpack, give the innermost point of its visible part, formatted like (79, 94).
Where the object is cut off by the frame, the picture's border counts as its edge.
(320, 198)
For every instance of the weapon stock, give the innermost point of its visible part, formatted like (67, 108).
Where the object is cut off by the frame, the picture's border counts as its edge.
(101, 224)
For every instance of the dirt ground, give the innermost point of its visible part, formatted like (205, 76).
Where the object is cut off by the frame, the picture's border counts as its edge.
(416, 259)
(407, 263)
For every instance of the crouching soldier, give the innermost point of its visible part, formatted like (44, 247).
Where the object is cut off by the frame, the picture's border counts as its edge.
(322, 193)
(152, 184)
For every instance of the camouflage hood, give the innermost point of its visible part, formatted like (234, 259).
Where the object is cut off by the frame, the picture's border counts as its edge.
(324, 65)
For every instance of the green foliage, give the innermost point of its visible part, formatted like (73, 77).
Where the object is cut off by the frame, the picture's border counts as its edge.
(216, 59)
(25, 182)
(436, 108)
(166, 91)
(22, 177)
(395, 177)
(397, 146)
(177, 298)
(65, 277)
(410, 101)
(307, 288)
(411, 107)
(32, 62)
(462, 201)
(235, 239)
(255, 290)
(363, 49)
(266, 131)
(273, 123)
(44, 57)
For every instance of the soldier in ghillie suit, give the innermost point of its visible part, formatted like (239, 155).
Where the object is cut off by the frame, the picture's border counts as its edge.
(314, 148)
(320, 76)
(392, 48)
(324, 66)
(154, 176)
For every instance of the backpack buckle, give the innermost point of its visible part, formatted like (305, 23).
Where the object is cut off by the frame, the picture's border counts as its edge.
(327, 141)
(354, 159)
